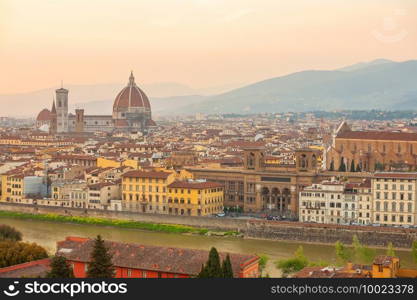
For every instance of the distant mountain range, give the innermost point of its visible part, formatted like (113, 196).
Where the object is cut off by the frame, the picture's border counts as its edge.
(379, 84)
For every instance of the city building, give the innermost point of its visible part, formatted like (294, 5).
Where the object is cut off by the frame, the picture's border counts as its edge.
(261, 187)
(146, 191)
(394, 199)
(372, 150)
(323, 203)
(195, 198)
(335, 202)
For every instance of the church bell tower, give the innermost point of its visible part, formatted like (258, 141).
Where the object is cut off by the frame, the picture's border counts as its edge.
(62, 109)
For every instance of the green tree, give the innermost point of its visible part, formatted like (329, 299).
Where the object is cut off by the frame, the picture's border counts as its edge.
(294, 264)
(263, 260)
(227, 268)
(352, 166)
(342, 167)
(13, 253)
(101, 265)
(60, 268)
(212, 268)
(361, 254)
(379, 166)
(8, 233)
(390, 250)
(331, 168)
(358, 168)
(414, 251)
(203, 272)
(342, 252)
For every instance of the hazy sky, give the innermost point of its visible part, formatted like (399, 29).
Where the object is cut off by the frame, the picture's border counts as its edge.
(200, 43)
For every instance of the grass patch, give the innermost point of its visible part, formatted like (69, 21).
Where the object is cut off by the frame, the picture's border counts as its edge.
(170, 228)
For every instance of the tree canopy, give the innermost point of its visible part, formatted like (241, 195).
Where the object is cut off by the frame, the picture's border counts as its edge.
(214, 269)
(8, 233)
(100, 265)
(13, 253)
(60, 268)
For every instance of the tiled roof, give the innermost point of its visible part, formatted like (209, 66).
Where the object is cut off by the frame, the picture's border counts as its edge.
(131, 96)
(30, 269)
(143, 174)
(152, 258)
(396, 175)
(195, 185)
(44, 115)
(378, 135)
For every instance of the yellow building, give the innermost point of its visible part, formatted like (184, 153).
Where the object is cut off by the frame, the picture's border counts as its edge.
(12, 188)
(146, 191)
(113, 163)
(195, 198)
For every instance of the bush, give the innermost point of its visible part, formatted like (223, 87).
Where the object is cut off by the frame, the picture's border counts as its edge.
(13, 253)
(295, 264)
(8, 233)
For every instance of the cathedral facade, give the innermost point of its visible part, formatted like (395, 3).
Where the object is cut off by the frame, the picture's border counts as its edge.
(131, 113)
(371, 151)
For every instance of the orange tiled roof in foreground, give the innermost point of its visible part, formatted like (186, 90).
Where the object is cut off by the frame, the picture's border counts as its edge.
(152, 258)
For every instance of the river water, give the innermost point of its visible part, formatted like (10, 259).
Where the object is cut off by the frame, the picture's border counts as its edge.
(48, 233)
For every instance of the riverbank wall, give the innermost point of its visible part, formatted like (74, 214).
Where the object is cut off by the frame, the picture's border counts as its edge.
(260, 229)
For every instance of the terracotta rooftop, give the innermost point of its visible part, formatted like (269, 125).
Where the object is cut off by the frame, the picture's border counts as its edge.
(378, 135)
(195, 185)
(152, 258)
(396, 175)
(30, 269)
(143, 174)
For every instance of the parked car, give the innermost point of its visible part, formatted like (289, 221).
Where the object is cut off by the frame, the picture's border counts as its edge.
(220, 215)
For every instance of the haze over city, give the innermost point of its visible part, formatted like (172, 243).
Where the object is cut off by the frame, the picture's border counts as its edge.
(197, 43)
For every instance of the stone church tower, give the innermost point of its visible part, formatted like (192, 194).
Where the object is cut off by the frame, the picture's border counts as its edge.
(53, 123)
(62, 109)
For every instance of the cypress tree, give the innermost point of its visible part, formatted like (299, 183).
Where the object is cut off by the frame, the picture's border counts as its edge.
(352, 166)
(101, 265)
(227, 268)
(390, 250)
(203, 272)
(60, 268)
(358, 168)
(342, 167)
(331, 166)
(212, 268)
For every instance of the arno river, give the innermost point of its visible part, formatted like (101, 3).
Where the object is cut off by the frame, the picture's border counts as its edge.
(48, 233)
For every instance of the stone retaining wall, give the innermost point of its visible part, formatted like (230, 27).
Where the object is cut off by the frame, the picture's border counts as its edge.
(262, 229)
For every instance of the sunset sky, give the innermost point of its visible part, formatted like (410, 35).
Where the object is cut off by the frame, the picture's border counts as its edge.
(200, 43)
